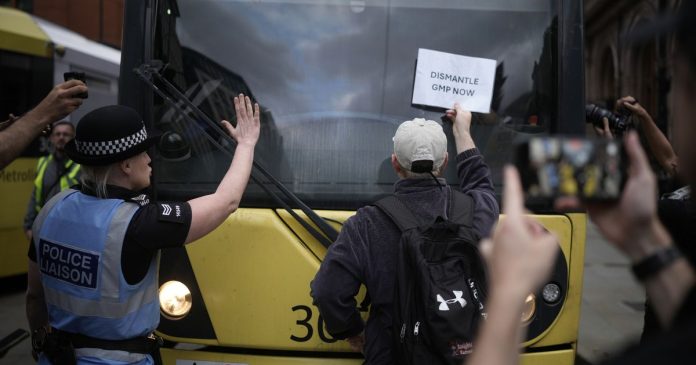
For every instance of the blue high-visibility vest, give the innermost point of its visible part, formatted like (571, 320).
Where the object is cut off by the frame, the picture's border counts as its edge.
(78, 241)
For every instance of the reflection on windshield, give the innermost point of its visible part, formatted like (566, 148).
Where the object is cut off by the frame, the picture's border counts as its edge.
(335, 80)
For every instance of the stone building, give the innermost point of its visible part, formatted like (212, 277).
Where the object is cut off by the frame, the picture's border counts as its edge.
(613, 69)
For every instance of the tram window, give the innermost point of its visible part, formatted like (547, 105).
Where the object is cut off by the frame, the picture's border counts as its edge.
(334, 80)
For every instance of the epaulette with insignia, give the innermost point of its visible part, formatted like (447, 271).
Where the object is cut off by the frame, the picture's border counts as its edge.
(170, 212)
(141, 200)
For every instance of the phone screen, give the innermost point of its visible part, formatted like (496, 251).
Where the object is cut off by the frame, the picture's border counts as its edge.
(589, 169)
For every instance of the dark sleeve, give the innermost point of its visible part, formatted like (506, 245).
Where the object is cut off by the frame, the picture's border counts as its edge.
(337, 283)
(29, 221)
(31, 214)
(687, 311)
(32, 251)
(160, 225)
(475, 181)
(153, 227)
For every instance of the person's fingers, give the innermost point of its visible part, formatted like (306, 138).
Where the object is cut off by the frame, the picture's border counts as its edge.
(635, 108)
(607, 131)
(513, 198)
(237, 108)
(534, 227)
(548, 243)
(228, 126)
(74, 91)
(486, 249)
(599, 131)
(249, 108)
(69, 84)
(75, 103)
(620, 102)
(257, 113)
(636, 155)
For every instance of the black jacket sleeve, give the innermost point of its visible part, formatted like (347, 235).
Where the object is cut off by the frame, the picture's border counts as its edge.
(475, 180)
(337, 283)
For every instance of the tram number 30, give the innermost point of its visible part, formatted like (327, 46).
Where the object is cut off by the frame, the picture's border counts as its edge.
(306, 326)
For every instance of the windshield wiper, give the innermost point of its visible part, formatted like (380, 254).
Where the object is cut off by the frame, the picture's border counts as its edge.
(149, 71)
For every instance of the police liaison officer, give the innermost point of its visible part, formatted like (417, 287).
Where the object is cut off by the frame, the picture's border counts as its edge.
(93, 265)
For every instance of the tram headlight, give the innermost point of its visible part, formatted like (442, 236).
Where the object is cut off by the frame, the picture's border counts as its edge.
(551, 293)
(529, 308)
(175, 299)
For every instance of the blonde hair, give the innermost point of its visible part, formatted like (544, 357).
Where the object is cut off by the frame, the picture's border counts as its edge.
(96, 177)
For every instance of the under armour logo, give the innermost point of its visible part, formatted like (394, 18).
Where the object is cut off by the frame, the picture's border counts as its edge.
(444, 304)
(167, 210)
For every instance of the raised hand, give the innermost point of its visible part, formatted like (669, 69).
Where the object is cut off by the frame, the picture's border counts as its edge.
(60, 102)
(461, 124)
(605, 131)
(628, 222)
(521, 252)
(460, 118)
(248, 121)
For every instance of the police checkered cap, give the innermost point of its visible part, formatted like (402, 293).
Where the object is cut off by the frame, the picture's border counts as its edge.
(101, 148)
(420, 140)
(109, 134)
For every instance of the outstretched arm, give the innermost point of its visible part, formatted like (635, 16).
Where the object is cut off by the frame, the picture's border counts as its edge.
(474, 175)
(209, 211)
(60, 102)
(520, 257)
(632, 225)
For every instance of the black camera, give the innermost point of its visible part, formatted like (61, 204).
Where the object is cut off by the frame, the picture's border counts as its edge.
(618, 123)
(77, 76)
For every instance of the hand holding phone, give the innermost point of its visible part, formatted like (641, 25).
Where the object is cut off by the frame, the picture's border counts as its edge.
(77, 76)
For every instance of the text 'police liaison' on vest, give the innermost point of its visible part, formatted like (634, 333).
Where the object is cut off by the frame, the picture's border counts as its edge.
(69, 264)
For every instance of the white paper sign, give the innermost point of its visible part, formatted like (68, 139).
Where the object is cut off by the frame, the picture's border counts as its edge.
(445, 78)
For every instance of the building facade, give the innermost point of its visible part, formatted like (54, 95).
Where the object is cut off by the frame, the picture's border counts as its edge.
(98, 20)
(614, 69)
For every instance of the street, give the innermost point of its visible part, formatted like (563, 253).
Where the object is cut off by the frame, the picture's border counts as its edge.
(612, 306)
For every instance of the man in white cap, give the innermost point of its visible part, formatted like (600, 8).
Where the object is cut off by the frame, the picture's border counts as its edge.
(366, 251)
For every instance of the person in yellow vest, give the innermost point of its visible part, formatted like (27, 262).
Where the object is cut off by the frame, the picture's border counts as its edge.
(54, 173)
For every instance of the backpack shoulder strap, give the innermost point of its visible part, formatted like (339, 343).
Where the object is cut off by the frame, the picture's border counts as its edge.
(398, 212)
(461, 209)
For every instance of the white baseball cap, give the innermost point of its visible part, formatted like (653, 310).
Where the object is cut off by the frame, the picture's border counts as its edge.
(420, 140)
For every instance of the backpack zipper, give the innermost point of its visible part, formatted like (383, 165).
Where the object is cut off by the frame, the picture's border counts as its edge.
(415, 329)
(403, 332)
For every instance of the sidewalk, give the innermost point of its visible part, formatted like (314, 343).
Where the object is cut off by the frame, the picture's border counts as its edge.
(612, 301)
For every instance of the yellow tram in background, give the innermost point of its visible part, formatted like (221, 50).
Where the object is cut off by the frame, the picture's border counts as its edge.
(334, 79)
(34, 54)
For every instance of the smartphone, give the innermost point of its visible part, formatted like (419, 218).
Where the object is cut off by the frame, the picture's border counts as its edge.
(76, 76)
(589, 169)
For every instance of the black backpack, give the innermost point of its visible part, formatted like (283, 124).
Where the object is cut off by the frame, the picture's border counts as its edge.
(440, 284)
